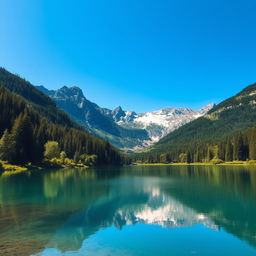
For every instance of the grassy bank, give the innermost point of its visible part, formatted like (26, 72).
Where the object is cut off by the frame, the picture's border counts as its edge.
(8, 169)
(234, 163)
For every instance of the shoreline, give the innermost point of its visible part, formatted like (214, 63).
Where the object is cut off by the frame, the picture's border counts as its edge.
(237, 163)
(8, 169)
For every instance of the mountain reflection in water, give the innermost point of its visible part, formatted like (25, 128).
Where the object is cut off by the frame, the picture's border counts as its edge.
(121, 209)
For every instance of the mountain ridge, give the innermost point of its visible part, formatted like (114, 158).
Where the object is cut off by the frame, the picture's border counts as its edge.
(95, 119)
(124, 129)
(161, 122)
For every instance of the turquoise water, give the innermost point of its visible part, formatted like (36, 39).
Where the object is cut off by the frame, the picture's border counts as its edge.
(157, 210)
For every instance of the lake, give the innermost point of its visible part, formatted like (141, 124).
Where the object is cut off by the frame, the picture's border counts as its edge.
(133, 210)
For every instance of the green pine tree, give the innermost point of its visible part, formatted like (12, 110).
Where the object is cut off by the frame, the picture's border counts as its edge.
(22, 133)
(238, 148)
(7, 147)
(229, 152)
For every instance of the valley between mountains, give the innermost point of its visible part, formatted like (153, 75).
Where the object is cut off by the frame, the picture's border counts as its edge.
(124, 129)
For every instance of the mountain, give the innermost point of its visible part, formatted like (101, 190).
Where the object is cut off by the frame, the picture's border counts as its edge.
(97, 120)
(73, 102)
(227, 125)
(124, 129)
(161, 122)
(35, 98)
(32, 119)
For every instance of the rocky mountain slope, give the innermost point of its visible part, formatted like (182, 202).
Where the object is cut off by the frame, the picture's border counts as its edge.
(92, 117)
(124, 129)
(158, 123)
(231, 116)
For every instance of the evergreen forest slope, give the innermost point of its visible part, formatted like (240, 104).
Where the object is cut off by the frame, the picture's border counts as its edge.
(29, 119)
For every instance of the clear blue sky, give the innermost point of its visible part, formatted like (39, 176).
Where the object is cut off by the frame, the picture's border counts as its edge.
(140, 54)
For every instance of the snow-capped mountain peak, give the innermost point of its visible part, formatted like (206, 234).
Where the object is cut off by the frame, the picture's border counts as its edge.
(161, 122)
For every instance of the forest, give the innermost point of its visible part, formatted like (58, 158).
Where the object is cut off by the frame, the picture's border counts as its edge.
(24, 132)
(240, 147)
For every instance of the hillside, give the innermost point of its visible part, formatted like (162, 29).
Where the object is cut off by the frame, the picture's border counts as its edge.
(39, 101)
(226, 132)
(31, 119)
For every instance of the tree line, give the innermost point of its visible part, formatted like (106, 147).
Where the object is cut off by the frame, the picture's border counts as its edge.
(240, 147)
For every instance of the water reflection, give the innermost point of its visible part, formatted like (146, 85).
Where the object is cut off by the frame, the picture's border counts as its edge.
(62, 209)
(147, 206)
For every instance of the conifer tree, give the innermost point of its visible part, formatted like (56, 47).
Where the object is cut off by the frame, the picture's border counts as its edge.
(229, 151)
(209, 155)
(7, 147)
(22, 133)
(76, 156)
(252, 144)
(189, 157)
(238, 148)
(196, 157)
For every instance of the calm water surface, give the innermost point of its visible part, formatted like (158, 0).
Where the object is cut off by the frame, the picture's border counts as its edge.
(163, 210)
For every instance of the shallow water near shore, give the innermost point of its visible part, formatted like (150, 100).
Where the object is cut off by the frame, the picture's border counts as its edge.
(135, 210)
